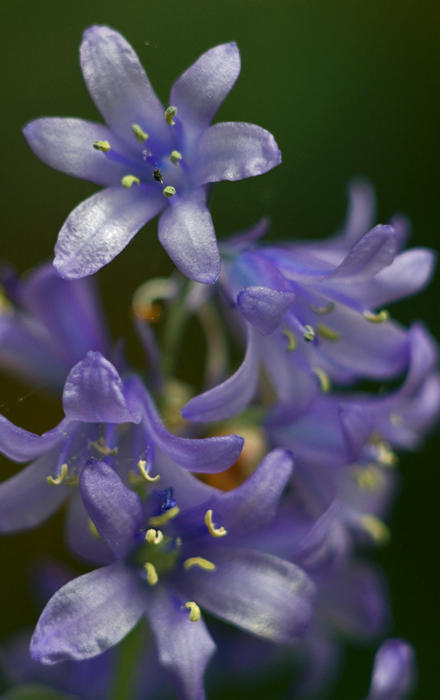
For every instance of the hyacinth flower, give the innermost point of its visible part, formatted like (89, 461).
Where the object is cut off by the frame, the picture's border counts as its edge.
(170, 563)
(393, 671)
(47, 325)
(149, 159)
(99, 406)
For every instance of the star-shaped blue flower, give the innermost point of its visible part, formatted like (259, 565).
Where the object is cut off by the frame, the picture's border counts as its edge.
(148, 158)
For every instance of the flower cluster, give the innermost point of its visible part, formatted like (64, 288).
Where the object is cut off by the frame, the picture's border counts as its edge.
(262, 524)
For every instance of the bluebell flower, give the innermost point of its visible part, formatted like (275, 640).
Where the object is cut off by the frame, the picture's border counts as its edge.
(393, 671)
(99, 408)
(149, 160)
(170, 563)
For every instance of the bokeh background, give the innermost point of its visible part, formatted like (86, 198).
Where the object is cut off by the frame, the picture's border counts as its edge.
(348, 88)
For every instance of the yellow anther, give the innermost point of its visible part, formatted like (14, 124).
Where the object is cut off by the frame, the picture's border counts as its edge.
(386, 456)
(377, 529)
(102, 146)
(194, 610)
(140, 134)
(142, 466)
(153, 536)
(169, 191)
(380, 317)
(175, 157)
(163, 518)
(199, 561)
(368, 478)
(327, 333)
(291, 337)
(57, 480)
(170, 113)
(93, 529)
(129, 180)
(102, 448)
(214, 531)
(309, 333)
(6, 307)
(152, 576)
(323, 309)
(323, 378)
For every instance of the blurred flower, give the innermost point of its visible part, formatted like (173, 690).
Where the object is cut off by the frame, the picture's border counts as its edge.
(393, 671)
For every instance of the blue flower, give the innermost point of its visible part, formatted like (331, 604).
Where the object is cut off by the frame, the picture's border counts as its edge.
(393, 671)
(168, 564)
(149, 159)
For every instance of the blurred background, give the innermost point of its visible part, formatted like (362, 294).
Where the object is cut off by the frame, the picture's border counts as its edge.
(348, 88)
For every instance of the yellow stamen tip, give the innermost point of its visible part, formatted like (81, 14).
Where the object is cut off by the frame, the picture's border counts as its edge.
(199, 561)
(140, 134)
(142, 466)
(377, 529)
(163, 518)
(327, 333)
(102, 146)
(194, 610)
(57, 480)
(93, 529)
(129, 180)
(309, 333)
(152, 576)
(153, 536)
(323, 378)
(169, 191)
(326, 309)
(380, 317)
(102, 448)
(175, 157)
(214, 531)
(291, 338)
(170, 113)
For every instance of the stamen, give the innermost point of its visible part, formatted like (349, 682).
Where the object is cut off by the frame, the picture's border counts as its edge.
(291, 337)
(57, 480)
(142, 466)
(129, 180)
(154, 536)
(194, 610)
(377, 529)
(170, 113)
(102, 146)
(199, 561)
(323, 378)
(380, 317)
(309, 334)
(386, 456)
(175, 157)
(169, 191)
(93, 529)
(323, 309)
(214, 531)
(163, 518)
(6, 307)
(140, 134)
(327, 333)
(102, 448)
(368, 478)
(152, 576)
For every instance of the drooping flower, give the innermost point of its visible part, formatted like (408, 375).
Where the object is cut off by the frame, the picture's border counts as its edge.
(150, 160)
(100, 408)
(169, 563)
(393, 671)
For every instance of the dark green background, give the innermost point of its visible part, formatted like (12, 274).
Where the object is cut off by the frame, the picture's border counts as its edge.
(348, 88)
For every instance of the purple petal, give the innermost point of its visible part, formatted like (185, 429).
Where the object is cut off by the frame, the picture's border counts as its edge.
(243, 240)
(101, 226)
(93, 393)
(119, 86)
(260, 593)
(234, 151)
(115, 510)
(88, 615)
(26, 499)
(187, 233)
(230, 397)
(67, 145)
(79, 536)
(201, 89)
(357, 427)
(393, 671)
(21, 445)
(69, 310)
(254, 504)
(264, 307)
(371, 254)
(184, 647)
(361, 211)
(206, 455)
